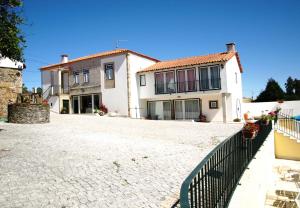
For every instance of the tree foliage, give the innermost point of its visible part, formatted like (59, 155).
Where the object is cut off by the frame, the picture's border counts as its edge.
(12, 41)
(272, 92)
(24, 89)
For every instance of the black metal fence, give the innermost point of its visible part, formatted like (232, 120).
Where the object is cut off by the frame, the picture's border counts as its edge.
(288, 125)
(213, 181)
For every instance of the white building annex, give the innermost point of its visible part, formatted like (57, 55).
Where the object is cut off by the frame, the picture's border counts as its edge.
(138, 86)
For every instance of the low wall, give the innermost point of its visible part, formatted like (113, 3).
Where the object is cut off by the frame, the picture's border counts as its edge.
(28, 113)
(286, 147)
(256, 109)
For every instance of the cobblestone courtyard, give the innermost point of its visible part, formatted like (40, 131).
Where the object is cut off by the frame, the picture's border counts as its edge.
(92, 161)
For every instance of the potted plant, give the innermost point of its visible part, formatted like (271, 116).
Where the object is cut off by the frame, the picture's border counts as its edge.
(103, 110)
(265, 119)
(202, 118)
(250, 130)
(237, 120)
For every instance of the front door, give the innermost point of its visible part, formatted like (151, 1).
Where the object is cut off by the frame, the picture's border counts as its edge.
(65, 108)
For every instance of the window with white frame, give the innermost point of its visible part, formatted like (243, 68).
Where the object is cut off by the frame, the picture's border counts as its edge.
(76, 77)
(142, 80)
(209, 77)
(236, 78)
(86, 75)
(109, 71)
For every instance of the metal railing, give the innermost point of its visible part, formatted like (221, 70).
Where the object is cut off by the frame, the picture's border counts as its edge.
(213, 181)
(55, 90)
(288, 125)
(187, 86)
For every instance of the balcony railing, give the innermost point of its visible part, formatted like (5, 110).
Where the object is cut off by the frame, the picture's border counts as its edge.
(188, 86)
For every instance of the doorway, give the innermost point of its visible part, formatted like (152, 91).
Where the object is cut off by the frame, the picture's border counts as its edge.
(75, 105)
(187, 109)
(65, 107)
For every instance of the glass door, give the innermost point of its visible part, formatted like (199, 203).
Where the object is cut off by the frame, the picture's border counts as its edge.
(179, 109)
(192, 109)
(167, 110)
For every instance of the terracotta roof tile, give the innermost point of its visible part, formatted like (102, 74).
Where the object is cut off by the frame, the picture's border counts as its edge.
(195, 60)
(98, 55)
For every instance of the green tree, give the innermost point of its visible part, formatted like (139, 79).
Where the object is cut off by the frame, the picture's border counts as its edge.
(297, 88)
(12, 41)
(24, 89)
(39, 91)
(290, 86)
(272, 92)
(290, 89)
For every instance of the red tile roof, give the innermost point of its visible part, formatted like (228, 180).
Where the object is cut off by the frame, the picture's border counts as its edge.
(98, 55)
(195, 60)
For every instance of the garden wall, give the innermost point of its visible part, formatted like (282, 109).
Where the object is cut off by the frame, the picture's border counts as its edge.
(28, 113)
(255, 109)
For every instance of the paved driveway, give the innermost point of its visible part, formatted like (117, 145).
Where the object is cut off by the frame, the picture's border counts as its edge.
(92, 161)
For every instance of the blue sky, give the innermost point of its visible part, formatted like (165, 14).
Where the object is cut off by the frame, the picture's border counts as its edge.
(266, 33)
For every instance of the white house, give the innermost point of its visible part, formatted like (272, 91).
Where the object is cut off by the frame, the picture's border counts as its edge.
(136, 85)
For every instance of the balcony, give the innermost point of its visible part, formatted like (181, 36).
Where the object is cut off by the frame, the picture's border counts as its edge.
(187, 86)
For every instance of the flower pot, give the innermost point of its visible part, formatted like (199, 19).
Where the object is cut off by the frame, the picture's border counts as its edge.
(249, 134)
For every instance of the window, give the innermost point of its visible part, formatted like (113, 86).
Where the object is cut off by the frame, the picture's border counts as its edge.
(213, 104)
(204, 84)
(215, 77)
(236, 78)
(109, 71)
(159, 83)
(76, 77)
(164, 82)
(86, 75)
(142, 80)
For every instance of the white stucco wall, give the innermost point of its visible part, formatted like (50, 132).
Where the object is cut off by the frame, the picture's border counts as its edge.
(8, 63)
(115, 99)
(256, 109)
(234, 87)
(54, 104)
(136, 63)
(46, 82)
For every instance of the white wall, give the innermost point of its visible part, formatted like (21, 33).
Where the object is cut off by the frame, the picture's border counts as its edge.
(234, 87)
(46, 82)
(256, 109)
(116, 99)
(136, 63)
(54, 104)
(7, 63)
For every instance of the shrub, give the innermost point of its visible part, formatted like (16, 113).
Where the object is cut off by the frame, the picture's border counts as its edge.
(237, 120)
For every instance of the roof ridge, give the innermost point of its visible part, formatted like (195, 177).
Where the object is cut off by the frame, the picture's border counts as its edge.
(220, 53)
(100, 54)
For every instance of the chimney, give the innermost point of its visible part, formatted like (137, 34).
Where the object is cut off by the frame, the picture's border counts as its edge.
(64, 58)
(230, 47)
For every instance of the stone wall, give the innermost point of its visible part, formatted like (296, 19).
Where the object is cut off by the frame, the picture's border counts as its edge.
(28, 113)
(10, 86)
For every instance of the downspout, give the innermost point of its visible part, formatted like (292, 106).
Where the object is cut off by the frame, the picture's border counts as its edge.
(128, 84)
